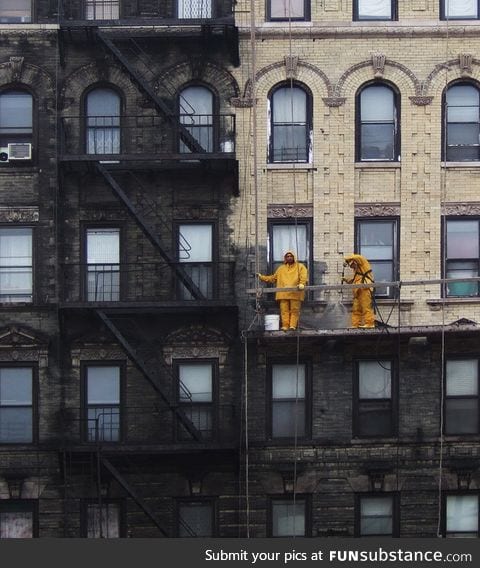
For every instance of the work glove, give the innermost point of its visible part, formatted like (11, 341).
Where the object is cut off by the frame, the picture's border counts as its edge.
(301, 286)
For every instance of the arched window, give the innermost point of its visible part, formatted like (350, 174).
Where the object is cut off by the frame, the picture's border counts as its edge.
(290, 112)
(16, 117)
(103, 121)
(377, 124)
(196, 114)
(461, 138)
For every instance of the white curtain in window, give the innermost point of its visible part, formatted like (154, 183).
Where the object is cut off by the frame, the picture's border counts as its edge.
(195, 382)
(286, 9)
(16, 264)
(290, 237)
(377, 104)
(195, 244)
(103, 385)
(102, 10)
(103, 246)
(376, 240)
(16, 11)
(196, 113)
(194, 9)
(462, 377)
(288, 381)
(290, 105)
(463, 103)
(376, 515)
(104, 521)
(375, 8)
(462, 513)
(16, 524)
(375, 380)
(461, 8)
(15, 113)
(462, 239)
(103, 122)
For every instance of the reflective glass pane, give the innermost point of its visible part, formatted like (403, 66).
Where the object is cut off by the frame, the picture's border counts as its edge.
(461, 416)
(466, 134)
(15, 424)
(374, 379)
(288, 418)
(462, 103)
(195, 243)
(103, 122)
(462, 377)
(376, 516)
(15, 386)
(377, 104)
(103, 246)
(288, 381)
(103, 385)
(195, 520)
(290, 143)
(287, 9)
(15, 112)
(104, 423)
(462, 239)
(16, 11)
(194, 9)
(288, 518)
(375, 418)
(195, 382)
(463, 269)
(462, 513)
(377, 142)
(461, 8)
(375, 9)
(102, 9)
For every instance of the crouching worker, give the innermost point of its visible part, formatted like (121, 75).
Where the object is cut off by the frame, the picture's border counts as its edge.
(291, 274)
(362, 309)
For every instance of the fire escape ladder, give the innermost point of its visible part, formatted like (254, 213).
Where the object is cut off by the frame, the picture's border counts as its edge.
(151, 234)
(133, 494)
(142, 367)
(185, 136)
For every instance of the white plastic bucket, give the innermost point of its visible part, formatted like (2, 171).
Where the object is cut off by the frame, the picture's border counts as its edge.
(272, 322)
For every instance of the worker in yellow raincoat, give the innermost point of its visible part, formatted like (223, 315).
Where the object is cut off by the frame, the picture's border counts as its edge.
(291, 274)
(362, 309)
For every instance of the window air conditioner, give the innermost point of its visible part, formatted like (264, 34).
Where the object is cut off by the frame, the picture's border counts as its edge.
(3, 155)
(19, 151)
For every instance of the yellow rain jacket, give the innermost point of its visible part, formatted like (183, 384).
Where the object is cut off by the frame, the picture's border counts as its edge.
(288, 276)
(363, 274)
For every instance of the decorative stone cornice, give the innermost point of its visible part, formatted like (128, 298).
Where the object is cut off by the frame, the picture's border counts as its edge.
(421, 100)
(334, 101)
(19, 215)
(290, 211)
(377, 209)
(19, 344)
(98, 353)
(242, 102)
(461, 208)
(196, 342)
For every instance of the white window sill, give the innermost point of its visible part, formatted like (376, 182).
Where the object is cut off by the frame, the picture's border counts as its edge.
(293, 166)
(461, 165)
(367, 165)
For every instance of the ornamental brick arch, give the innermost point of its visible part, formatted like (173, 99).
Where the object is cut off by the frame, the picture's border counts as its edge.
(171, 81)
(289, 69)
(463, 68)
(16, 72)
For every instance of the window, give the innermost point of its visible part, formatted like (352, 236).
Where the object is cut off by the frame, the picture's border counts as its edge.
(461, 516)
(462, 102)
(194, 9)
(459, 9)
(377, 240)
(462, 256)
(103, 521)
(288, 416)
(196, 114)
(18, 519)
(290, 112)
(16, 120)
(103, 122)
(374, 9)
(15, 11)
(288, 517)
(103, 264)
(377, 515)
(196, 519)
(290, 10)
(16, 405)
(195, 253)
(377, 124)
(373, 391)
(196, 396)
(102, 384)
(16, 274)
(461, 402)
(290, 235)
(102, 9)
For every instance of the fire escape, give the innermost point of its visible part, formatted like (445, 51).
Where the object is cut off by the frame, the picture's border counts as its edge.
(135, 291)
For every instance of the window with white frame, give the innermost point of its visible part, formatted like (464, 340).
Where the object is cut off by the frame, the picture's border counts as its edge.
(461, 516)
(462, 105)
(17, 519)
(103, 121)
(461, 396)
(462, 256)
(103, 520)
(377, 240)
(196, 396)
(194, 9)
(290, 124)
(376, 515)
(288, 517)
(374, 9)
(377, 124)
(15, 11)
(102, 384)
(195, 519)
(288, 10)
(196, 115)
(288, 404)
(373, 409)
(102, 9)
(16, 267)
(195, 254)
(16, 405)
(103, 264)
(290, 235)
(459, 9)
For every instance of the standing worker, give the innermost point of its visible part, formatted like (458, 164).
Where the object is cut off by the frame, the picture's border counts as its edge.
(291, 274)
(362, 309)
